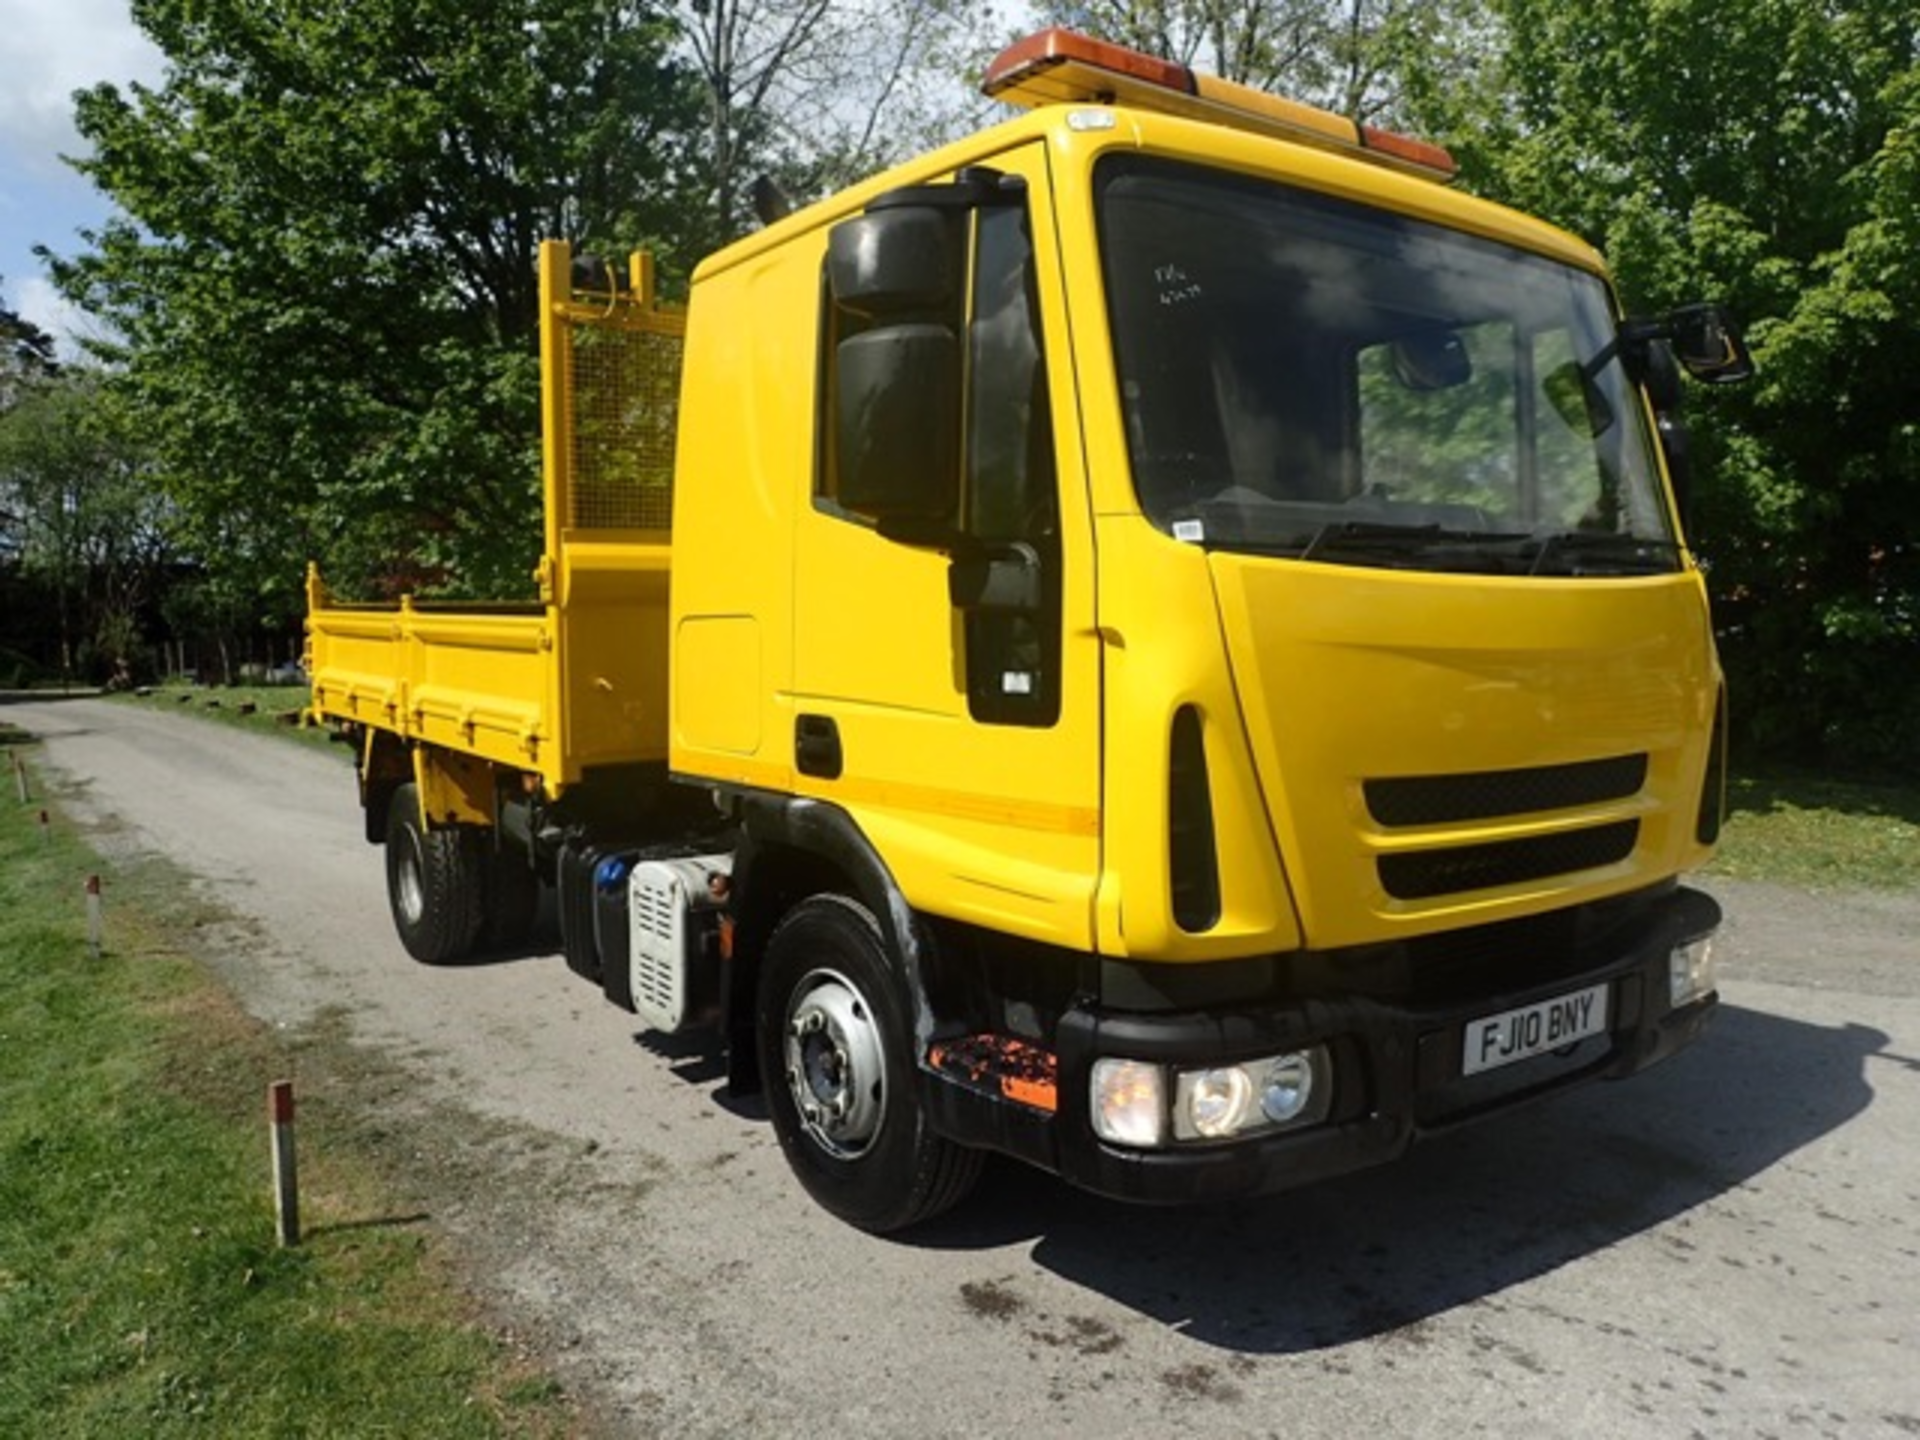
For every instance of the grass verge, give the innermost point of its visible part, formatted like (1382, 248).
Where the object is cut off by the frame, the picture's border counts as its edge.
(1823, 833)
(141, 1289)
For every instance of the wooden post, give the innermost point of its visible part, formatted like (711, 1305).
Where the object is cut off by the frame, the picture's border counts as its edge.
(19, 775)
(286, 1172)
(93, 915)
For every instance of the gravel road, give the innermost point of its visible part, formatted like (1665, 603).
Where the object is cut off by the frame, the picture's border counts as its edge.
(1726, 1246)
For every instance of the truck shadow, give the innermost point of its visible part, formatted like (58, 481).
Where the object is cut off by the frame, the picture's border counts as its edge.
(1464, 1216)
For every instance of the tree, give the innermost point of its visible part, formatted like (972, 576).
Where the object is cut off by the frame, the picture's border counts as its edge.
(26, 352)
(1767, 152)
(323, 284)
(820, 94)
(81, 518)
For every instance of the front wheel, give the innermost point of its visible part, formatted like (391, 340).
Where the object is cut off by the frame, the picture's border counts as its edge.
(435, 883)
(836, 1050)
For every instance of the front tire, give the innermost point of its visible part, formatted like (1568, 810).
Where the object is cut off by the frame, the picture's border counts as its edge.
(435, 883)
(836, 1048)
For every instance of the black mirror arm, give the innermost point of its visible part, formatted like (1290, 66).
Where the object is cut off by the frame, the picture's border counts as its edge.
(974, 188)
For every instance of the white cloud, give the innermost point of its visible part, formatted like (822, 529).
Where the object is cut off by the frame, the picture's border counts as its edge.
(39, 302)
(48, 51)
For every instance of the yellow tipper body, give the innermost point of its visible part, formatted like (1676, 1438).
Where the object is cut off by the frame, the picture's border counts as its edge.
(576, 682)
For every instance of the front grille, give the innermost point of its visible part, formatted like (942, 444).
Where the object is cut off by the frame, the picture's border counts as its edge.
(1427, 873)
(1489, 794)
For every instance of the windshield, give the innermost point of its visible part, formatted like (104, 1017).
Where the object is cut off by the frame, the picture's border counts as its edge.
(1306, 377)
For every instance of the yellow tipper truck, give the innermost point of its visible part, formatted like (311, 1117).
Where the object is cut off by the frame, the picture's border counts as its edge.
(1155, 639)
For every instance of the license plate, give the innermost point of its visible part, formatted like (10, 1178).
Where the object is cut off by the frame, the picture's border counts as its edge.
(1512, 1035)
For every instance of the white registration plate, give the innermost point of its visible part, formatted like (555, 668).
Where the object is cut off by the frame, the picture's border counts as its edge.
(1496, 1040)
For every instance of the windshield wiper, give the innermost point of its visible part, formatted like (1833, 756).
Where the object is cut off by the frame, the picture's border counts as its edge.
(1602, 552)
(1439, 547)
(1371, 537)
(1425, 547)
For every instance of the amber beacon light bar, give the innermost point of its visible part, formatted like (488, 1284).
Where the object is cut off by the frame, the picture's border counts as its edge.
(1063, 67)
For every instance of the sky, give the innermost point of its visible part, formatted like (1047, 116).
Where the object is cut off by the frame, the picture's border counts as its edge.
(49, 49)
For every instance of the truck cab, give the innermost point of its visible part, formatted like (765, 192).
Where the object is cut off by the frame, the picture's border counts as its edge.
(1188, 543)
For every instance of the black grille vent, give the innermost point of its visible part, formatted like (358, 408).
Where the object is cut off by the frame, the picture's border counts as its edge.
(1422, 875)
(1485, 795)
(1195, 877)
(1713, 794)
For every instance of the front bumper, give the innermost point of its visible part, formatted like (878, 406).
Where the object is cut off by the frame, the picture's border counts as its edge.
(1397, 1071)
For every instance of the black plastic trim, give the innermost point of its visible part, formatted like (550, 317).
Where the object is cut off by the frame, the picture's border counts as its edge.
(1395, 1062)
(1193, 865)
(1713, 789)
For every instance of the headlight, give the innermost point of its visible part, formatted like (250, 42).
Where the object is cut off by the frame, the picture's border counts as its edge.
(1288, 1089)
(1690, 971)
(1130, 1102)
(1221, 1102)
(1215, 1102)
(1230, 1101)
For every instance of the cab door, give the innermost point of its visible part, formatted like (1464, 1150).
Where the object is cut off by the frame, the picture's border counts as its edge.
(946, 673)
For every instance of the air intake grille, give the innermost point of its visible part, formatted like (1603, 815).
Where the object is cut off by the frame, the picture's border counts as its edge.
(1486, 795)
(1428, 873)
(1713, 794)
(1195, 872)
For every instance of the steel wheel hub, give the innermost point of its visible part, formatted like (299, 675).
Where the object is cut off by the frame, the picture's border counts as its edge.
(835, 1065)
(413, 889)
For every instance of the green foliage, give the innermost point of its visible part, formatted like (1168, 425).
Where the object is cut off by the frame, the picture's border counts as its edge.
(324, 285)
(1819, 832)
(1765, 152)
(79, 515)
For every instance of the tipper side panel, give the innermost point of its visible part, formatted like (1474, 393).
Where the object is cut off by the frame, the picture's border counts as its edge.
(578, 680)
(610, 361)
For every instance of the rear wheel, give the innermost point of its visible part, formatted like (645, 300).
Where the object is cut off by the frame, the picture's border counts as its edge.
(836, 1049)
(435, 882)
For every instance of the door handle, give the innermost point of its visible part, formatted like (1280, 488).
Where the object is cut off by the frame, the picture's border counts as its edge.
(816, 747)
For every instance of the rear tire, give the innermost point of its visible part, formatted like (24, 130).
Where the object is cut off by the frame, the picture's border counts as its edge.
(435, 881)
(836, 1048)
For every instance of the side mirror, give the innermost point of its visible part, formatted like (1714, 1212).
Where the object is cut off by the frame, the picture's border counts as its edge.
(897, 425)
(1703, 338)
(895, 262)
(1580, 403)
(1706, 341)
(894, 276)
(1431, 360)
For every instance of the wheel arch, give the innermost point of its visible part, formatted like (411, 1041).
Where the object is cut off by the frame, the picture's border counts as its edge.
(791, 848)
(384, 766)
